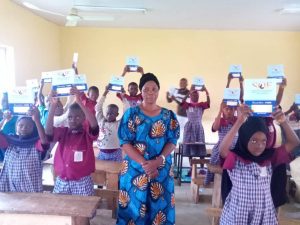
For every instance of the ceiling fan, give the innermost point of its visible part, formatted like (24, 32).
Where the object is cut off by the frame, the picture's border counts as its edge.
(74, 17)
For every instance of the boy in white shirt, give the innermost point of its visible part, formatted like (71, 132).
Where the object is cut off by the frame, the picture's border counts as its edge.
(108, 141)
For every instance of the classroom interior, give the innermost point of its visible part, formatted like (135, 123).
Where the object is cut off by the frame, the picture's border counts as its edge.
(40, 45)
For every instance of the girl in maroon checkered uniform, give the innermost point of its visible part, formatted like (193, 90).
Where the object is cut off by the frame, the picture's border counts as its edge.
(250, 168)
(223, 123)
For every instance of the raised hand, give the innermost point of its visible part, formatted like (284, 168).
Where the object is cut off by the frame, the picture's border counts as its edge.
(243, 112)
(278, 115)
(34, 113)
(76, 92)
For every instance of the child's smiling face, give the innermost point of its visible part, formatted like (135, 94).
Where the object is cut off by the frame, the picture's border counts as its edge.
(194, 95)
(24, 127)
(257, 143)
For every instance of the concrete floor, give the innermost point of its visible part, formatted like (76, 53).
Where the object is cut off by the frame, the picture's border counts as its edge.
(187, 213)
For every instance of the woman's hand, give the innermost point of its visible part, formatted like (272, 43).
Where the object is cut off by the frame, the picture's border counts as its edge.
(151, 166)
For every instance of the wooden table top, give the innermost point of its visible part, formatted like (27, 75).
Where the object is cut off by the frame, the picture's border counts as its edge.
(48, 204)
(103, 165)
(108, 166)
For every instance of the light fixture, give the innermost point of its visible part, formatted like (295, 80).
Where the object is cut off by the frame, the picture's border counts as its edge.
(290, 10)
(110, 9)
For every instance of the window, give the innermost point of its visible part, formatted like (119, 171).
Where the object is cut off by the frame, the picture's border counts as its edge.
(7, 70)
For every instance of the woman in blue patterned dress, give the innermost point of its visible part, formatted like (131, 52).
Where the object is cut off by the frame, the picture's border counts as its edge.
(148, 134)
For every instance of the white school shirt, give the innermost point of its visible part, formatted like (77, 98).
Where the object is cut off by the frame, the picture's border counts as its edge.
(108, 131)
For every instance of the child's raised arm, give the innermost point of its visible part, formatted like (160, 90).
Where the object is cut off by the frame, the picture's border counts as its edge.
(88, 114)
(35, 114)
(207, 95)
(99, 106)
(50, 119)
(216, 124)
(291, 109)
(243, 113)
(292, 140)
(241, 81)
(282, 85)
(40, 96)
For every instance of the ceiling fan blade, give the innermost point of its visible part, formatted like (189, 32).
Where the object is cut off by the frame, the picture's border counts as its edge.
(34, 7)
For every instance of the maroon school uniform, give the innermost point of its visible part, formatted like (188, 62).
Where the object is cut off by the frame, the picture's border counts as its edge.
(74, 158)
(90, 104)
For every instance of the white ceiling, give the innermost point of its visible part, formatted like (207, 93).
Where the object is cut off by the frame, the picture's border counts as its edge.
(183, 14)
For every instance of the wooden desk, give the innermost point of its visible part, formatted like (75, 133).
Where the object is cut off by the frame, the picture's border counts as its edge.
(107, 174)
(202, 153)
(46, 209)
(216, 197)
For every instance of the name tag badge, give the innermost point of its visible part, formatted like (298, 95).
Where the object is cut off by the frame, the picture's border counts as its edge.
(78, 156)
(191, 109)
(271, 129)
(263, 171)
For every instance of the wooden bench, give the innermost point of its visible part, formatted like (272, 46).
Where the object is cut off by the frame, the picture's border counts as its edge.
(46, 209)
(197, 180)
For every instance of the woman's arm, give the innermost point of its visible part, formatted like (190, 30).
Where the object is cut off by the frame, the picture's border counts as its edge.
(151, 166)
(133, 153)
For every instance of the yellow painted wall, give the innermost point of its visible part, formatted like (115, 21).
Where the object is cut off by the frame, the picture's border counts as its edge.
(172, 54)
(36, 42)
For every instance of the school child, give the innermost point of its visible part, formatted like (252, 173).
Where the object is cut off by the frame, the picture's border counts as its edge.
(181, 94)
(8, 122)
(133, 99)
(223, 123)
(108, 141)
(193, 129)
(22, 166)
(90, 100)
(250, 168)
(74, 160)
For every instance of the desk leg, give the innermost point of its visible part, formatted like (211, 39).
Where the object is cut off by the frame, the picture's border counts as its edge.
(179, 169)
